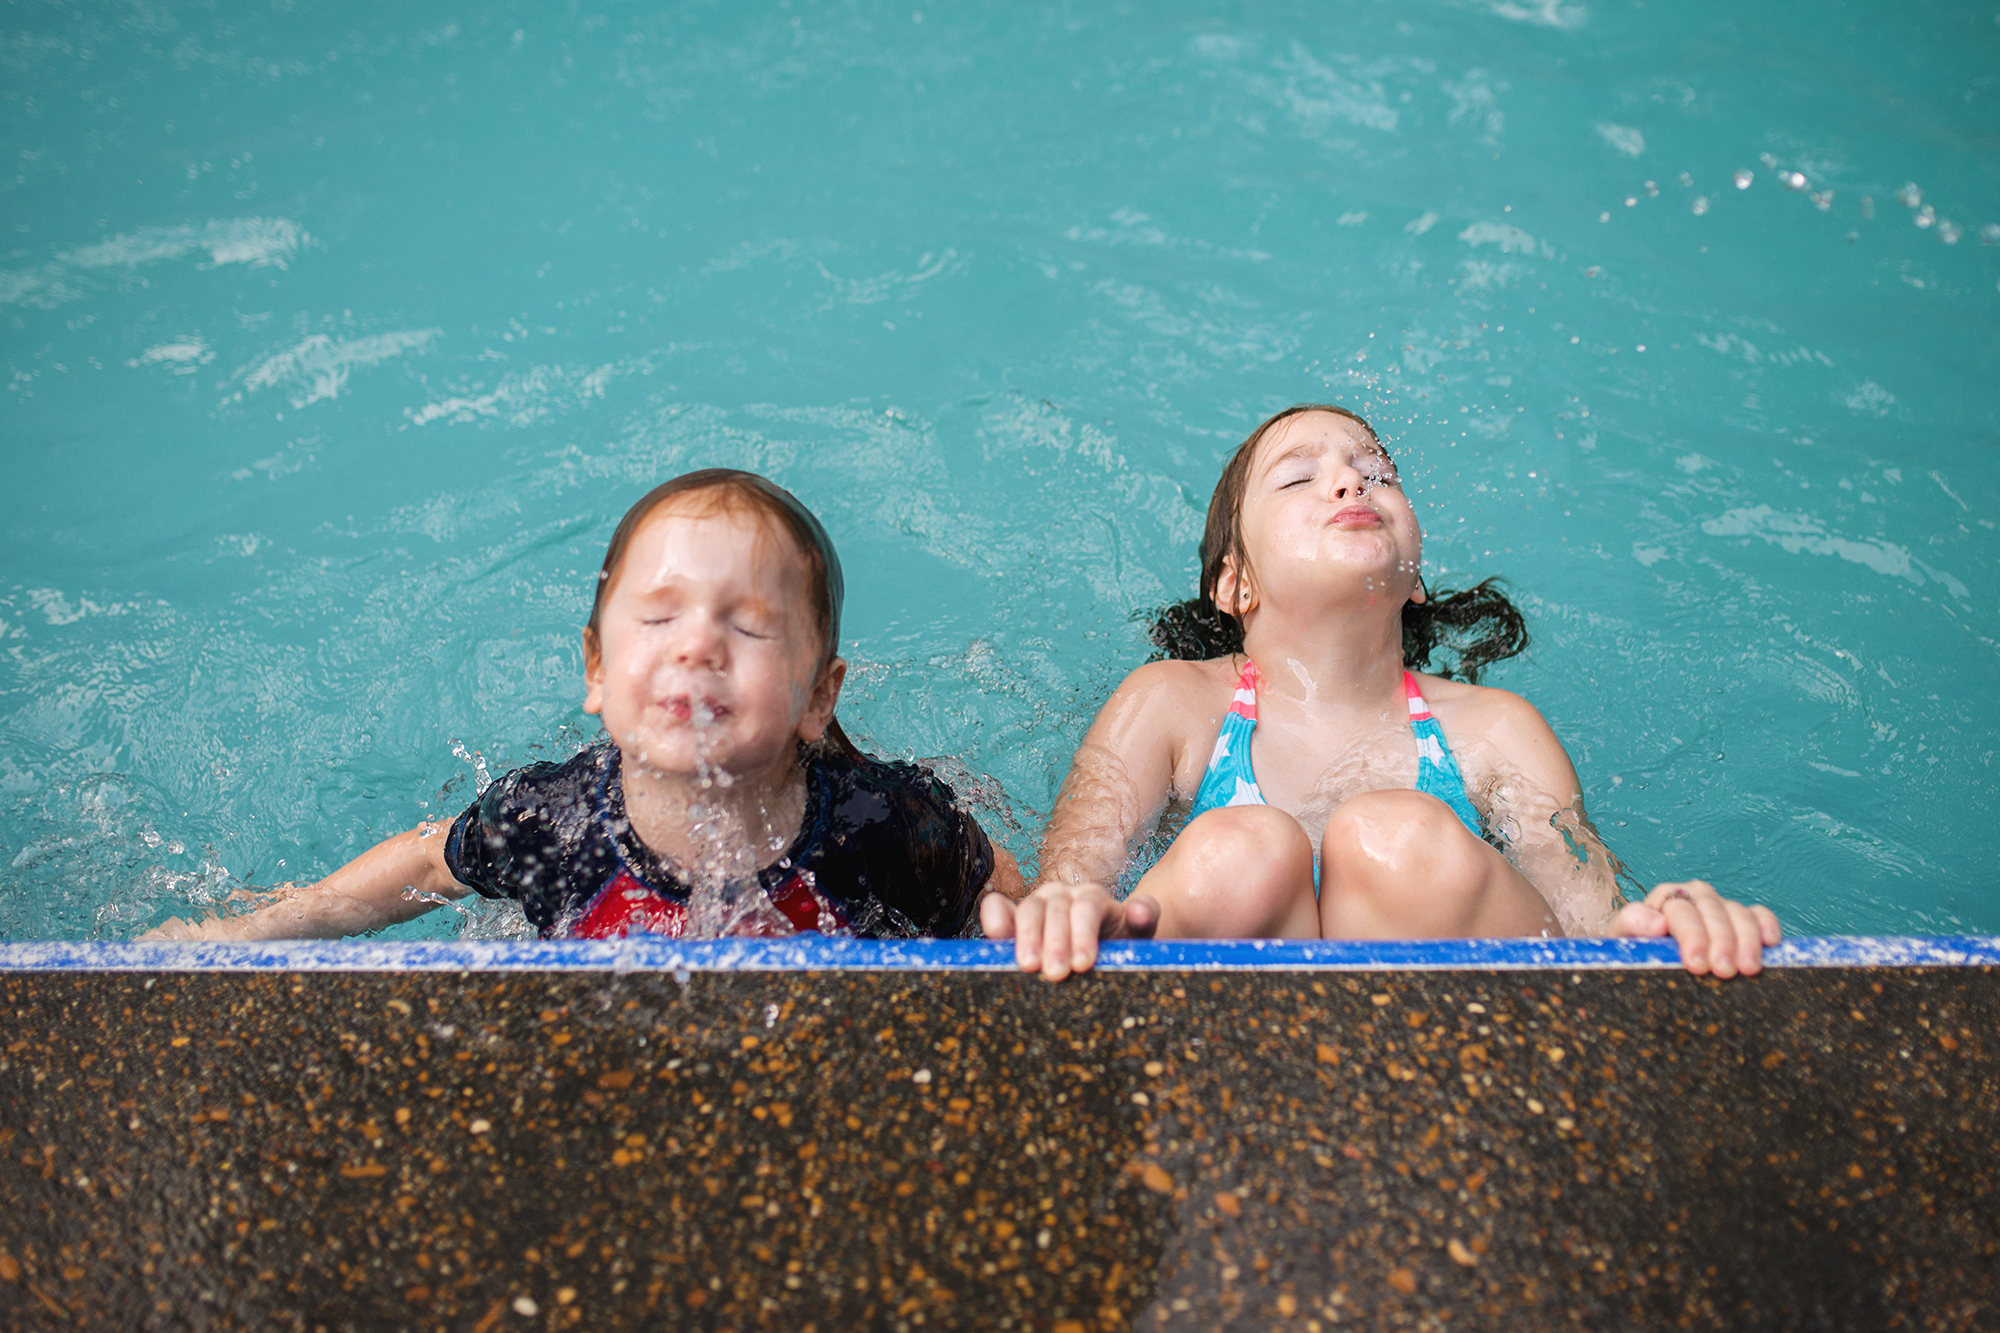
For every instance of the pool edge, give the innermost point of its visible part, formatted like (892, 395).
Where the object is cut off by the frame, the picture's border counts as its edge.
(825, 954)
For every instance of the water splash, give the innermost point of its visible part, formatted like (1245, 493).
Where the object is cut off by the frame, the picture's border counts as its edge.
(724, 895)
(481, 779)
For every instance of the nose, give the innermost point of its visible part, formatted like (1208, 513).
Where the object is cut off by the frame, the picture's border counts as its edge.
(699, 643)
(1346, 481)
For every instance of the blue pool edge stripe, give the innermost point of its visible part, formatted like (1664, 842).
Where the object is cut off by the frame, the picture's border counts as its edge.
(819, 953)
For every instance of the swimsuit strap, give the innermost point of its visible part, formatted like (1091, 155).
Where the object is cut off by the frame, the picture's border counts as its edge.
(1437, 770)
(1229, 779)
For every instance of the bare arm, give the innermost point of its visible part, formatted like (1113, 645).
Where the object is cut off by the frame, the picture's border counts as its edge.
(1538, 805)
(1567, 862)
(366, 894)
(1116, 789)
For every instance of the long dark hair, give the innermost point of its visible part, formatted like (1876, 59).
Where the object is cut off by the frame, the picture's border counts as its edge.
(1478, 625)
(727, 489)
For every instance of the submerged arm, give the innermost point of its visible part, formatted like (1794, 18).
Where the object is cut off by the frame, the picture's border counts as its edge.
(366, 894)
(1118, 784)
(1561, 853)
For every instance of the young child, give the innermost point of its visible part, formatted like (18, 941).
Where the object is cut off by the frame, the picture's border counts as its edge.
(725, 798)
(1332, 791)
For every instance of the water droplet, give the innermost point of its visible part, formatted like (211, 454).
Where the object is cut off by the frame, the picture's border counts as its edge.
(525, 1305)
(1990, 234)
(1652, 189)
(1604, 217)
(1909, 196)
(1767, 159)
(1925, 216)
(1793, 180)
(1686, 180)
(1867, 206)
(1699, 206)
(1822, 199)
(1948, 231)
(1743, 178)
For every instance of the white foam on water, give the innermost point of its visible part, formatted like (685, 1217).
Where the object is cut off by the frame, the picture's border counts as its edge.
(1543, 13)
(257, 242)
(1512, 240)
(318, 366)
(1797, 534)
(1623, 138)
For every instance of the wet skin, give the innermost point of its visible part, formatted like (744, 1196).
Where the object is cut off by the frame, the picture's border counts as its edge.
(708, 653)
(1334, 549)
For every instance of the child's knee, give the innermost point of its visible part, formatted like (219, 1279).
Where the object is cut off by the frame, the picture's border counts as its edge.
(1250, 843)
(1240, 871)
(1400, 836)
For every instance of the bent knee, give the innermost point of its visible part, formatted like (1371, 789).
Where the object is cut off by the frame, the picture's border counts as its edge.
(1239, 872)
(1402, 833)
(1249, 839)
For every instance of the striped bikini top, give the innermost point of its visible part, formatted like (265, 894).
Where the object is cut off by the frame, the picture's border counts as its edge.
(1231, 781)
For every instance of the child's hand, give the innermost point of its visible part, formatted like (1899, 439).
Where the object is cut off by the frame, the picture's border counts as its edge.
(1055, 929)
(1716, 934)
(174, 928)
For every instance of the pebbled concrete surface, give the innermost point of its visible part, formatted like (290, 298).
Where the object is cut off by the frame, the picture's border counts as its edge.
(800, 1151)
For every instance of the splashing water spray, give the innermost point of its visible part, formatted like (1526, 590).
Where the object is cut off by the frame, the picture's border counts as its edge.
(724, 897)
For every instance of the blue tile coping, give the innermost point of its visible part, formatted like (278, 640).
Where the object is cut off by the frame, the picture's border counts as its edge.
(822, 953)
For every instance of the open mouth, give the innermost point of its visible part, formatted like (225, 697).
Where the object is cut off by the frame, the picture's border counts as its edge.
(687, 708)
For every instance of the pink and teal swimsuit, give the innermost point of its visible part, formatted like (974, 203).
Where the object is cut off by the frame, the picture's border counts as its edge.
(1231, 781)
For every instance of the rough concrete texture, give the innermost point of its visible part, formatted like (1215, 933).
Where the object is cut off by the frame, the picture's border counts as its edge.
(820, 1151)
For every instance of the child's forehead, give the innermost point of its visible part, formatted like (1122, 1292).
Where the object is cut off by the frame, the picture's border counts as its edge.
(1314, 433)
(717, 539)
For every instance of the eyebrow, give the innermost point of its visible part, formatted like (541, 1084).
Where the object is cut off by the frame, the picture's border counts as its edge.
(1302, 447)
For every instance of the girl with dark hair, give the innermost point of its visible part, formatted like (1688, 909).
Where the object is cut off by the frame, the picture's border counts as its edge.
(1334, 786)
(712, 655)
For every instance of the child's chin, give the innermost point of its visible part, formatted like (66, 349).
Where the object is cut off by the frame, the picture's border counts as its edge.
(673, 755)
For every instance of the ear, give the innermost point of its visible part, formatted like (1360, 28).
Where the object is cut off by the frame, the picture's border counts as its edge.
(1421, 593)
(593, 672)
(824, 698)
(1235, 591)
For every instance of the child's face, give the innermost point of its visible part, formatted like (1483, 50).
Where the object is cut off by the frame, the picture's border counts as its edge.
(1324, 508)
(708, 647)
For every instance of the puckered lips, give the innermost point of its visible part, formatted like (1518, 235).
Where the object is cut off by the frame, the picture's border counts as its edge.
(1357, 516)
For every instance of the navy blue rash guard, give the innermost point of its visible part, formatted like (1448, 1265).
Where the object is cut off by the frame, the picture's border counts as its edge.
(882, 850)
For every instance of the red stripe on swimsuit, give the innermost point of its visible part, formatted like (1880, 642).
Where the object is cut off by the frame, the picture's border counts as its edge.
(627, 907)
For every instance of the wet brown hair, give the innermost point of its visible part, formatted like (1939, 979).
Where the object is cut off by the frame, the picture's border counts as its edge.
(732, 490)
(1479, 623)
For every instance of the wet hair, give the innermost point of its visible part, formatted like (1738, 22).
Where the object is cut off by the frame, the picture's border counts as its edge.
(1479, 625)
(728, 489)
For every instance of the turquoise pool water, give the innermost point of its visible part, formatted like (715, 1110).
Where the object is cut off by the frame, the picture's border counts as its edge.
(338, 339)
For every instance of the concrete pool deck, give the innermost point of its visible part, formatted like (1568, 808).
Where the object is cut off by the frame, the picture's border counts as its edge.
(821, 1134)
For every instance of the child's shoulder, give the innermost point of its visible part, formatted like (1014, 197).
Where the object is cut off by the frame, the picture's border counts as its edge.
(1183, 682)
(1481, 708)
(534, 787)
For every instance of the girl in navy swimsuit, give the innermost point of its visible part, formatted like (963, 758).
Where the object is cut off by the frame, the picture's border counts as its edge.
(1331, 788)
(712, 657)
